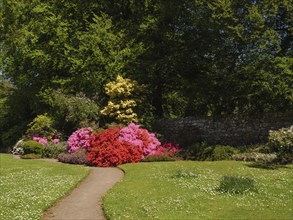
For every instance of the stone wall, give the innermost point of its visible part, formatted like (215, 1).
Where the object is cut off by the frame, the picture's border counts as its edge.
(228, 130)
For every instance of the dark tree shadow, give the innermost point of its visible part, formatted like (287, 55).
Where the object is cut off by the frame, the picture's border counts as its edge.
(267, 166)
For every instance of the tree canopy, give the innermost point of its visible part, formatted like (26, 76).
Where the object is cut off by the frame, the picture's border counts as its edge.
(196, 57)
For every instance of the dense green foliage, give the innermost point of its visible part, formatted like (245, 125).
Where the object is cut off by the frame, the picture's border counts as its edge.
(52, 150)
(29, 187)
(32, 147)
(196, 57)
(42, 126)
(189, 190)
(71, 112)
(204, 151)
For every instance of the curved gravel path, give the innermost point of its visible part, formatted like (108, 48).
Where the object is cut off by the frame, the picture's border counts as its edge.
(85, 201)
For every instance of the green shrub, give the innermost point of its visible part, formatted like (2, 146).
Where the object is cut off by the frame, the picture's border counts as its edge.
(254, 156)
(77, 110)
(264, 148)
(223, 152)
(42, 125)
(52, 150)
(30, 156)
(207, 153)
(32, 147)
(236, 185)
(281, 141)
(202, 151)
(285, 158)
(257, 148)
(157, 158)
(196, 151)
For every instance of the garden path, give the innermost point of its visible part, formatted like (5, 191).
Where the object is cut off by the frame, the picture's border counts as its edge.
(85, 201)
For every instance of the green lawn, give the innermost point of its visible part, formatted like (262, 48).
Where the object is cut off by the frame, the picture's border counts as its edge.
(28, 187)
(187, 190)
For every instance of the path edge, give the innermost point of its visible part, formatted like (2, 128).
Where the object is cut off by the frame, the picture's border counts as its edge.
(103, 207)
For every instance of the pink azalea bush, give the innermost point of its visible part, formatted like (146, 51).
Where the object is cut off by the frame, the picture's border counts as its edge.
(118, 145)
(79, 139)
(41, 140)
(141, 138)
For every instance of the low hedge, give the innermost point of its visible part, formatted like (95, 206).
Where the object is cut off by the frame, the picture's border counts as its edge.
(32, 147)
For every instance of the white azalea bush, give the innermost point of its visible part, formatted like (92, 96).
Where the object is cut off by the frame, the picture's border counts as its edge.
(281, 141)
(17, 148)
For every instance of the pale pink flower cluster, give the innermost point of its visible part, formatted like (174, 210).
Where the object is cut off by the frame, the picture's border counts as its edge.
(41, 140)
(140, 138)
(79, 139)
(44, 140)
(56, 141)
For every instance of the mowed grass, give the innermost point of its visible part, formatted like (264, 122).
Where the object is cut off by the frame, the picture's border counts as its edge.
(190, 190)
(28, 187)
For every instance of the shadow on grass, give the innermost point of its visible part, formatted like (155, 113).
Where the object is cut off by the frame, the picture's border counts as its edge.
(267, 166)
(236, 185)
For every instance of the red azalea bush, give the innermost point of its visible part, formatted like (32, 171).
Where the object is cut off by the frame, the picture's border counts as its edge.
(106, 150)
(117, 146)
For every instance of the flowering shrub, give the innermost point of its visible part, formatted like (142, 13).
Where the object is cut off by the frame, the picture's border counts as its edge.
(77, 157)
(140, 138)
(281, 141)
(44, 140)
(121, 103)
(17, 148)
(107, 150)
(41, 140)
(56, 140)
(166, 149)
(79, 139)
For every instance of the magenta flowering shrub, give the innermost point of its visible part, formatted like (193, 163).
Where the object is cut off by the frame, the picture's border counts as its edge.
(41, 140)
(131, 134)
(79, 139)
(166, 149)
(140, 137)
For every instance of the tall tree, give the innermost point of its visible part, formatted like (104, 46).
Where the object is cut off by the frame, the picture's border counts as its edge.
(214, 57)
(67, 45)
(198, 57)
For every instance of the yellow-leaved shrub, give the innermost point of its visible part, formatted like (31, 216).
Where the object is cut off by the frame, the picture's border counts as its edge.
(121, 104)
